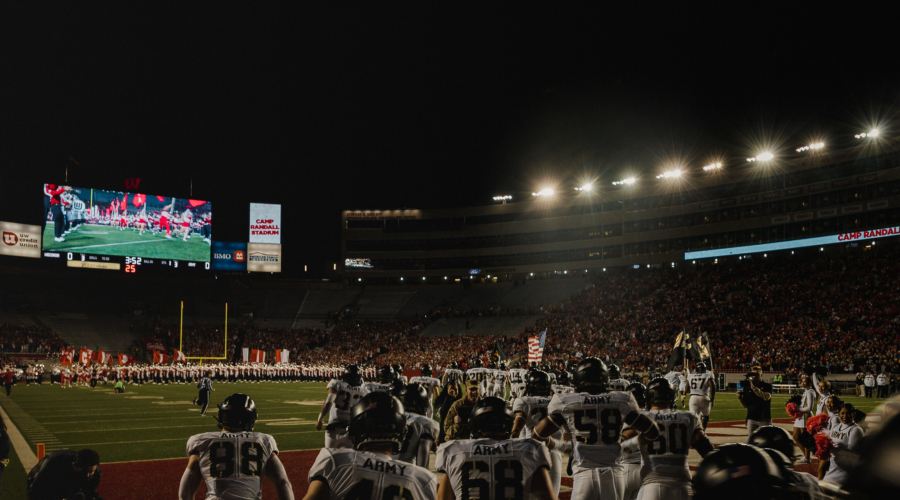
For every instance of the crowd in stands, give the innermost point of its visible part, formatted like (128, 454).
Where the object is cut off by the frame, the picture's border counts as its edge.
(29, 339)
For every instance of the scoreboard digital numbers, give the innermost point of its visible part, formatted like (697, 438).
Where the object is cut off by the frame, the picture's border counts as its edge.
(131, 265)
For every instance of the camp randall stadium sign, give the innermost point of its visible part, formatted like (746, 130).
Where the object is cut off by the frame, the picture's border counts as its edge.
(20, 240)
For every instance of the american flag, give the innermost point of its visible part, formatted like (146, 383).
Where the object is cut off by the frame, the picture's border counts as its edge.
(536, 347)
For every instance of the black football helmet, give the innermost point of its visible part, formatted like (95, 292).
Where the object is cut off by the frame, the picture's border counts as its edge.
(477, 363)
(639, 391)
(426, 370)
(533, 365)
(492, 365)
(237, 411)
(352, 376)
(591, 376)
(537, 383)
(415, 399)
(700, 367)
(386, 375)
(491, 418)
(398, 370)
(517, 364)
(454, 366)
(660, 393)
(562, 378)
(738, 471)
(614, 372)
(377, 418)
(502, 365)
(398, 389)
(774, 437)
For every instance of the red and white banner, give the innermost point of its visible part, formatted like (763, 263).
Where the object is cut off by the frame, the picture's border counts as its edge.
(160, 358)
(67, 356)
(257, 356)
(104, 358)
(282, 355)
(245, 353)
(536, 347)
(178, 357)
(85, 356)
(125, 359)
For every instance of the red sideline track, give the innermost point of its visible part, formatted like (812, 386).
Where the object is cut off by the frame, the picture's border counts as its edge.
(159, 479)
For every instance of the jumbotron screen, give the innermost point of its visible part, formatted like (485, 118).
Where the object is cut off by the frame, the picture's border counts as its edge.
(81, 224)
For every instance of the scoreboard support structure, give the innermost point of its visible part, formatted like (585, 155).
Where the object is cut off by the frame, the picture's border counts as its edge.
(181, 337)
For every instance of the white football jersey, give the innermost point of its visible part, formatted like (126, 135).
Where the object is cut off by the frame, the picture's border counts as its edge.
(418, 427)
(488, 469)
(233, 463)
(346, 397)
(517, 390)
(517, 375)
(376, 387)
(618, 384)
(453, 375)
(667, 458)
(427, 382)
(595, 423)
(562, 389)
(371, 476)
(700, 383)
(500, 377)
(533, 409)
(480, 374)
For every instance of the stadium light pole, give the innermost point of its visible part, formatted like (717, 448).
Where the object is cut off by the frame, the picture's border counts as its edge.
(503, 198)
(629, 180)
(870, 134)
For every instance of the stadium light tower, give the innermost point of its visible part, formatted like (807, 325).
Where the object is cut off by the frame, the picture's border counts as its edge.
(503, 198)
(587, 187)
(543, 192)
(712, 166)
(671, 174)
(811, 147)
(870, 134)
(630, 180)
(762, 157)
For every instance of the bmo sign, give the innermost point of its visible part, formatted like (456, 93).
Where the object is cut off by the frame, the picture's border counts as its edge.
(265, 223)
(229, 256)
(20, 240)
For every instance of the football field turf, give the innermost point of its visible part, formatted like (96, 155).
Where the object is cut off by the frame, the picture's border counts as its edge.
(106, 240)
(150, 424)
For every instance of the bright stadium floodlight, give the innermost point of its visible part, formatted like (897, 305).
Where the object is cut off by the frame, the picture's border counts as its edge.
(712, 166)
(671, 174)
(870, 134)
(502, 198)
(762, 157)
(543, 192)
(586, 187)
(630, 180)
(811, 147)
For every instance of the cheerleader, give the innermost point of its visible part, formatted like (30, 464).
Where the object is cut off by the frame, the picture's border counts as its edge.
(807, 401)
(847, 435)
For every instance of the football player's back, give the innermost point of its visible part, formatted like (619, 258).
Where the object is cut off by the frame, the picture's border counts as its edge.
(490, 465)
(367, 475)
(596, 422)
(232, 463)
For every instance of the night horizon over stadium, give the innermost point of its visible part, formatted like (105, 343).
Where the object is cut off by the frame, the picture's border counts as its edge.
(344, 110)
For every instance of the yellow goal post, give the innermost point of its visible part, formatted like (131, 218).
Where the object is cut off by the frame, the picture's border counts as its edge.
(181, 337)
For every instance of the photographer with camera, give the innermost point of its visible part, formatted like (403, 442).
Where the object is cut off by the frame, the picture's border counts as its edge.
(756, 397)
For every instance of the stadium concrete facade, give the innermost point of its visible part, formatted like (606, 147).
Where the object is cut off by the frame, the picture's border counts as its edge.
(649, 222)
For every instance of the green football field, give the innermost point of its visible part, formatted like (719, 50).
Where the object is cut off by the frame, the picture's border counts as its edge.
(152, 422)
(106, 240)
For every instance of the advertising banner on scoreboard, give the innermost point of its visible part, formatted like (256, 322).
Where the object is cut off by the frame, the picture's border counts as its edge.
(265, 223)
(263, 258)
(20, 240)
(229, 256)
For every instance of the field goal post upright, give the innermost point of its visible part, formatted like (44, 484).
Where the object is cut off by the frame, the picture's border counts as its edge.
(181, 337)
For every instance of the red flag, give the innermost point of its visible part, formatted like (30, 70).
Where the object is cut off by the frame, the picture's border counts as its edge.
(85, 356)
(196, 203)
(178, 357)
(160, 198)
(124, 204)
(257, 356)
(281, 355)
(67, 356)
(138, 200)
(160, 358)
(125, 359)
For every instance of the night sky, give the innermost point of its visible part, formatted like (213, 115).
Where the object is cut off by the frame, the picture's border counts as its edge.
(420, 107)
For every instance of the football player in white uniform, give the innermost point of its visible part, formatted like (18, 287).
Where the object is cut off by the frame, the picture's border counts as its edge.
(343, 393)
(452, 375)
(501, 381)
(368, 472)
(628, 475)
(773, 438)
(481, 375)
(430, 383)
(517, 380)
(563, 386)
(616, 382)
(529, 410)
(664, 461)
(594, 418)
(703, 392)
(421, 431)
(234, 460)
(491, 465)
(386, 377)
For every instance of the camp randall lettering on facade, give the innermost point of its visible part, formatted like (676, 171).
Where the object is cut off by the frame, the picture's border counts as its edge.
(869, 234)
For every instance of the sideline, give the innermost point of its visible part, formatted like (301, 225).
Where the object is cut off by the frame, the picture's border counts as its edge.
(26, 456)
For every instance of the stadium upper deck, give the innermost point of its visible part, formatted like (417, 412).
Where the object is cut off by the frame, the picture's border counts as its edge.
(642, 223)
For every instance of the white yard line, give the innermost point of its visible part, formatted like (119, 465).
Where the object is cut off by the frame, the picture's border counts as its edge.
(26, 456)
